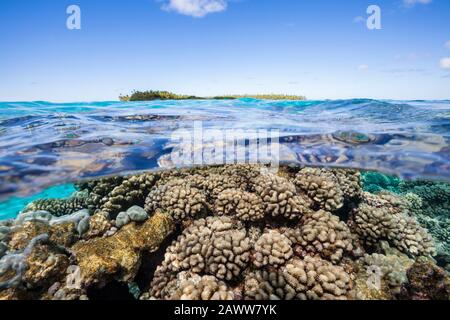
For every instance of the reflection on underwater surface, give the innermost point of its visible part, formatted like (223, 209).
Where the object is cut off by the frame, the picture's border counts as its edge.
(233, 232)
(45, 144)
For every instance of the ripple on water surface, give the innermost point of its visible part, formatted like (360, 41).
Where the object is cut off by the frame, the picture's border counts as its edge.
(44, 144)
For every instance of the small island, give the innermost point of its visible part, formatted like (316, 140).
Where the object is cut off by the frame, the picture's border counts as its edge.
(166, 95)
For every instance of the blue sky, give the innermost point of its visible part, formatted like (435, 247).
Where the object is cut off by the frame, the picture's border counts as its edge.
(319, 48)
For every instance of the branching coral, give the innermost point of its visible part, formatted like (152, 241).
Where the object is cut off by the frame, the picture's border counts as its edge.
(273, 249)
(132, 191)
(322, 186)
(322, 233)
(427, 201)
(215, 245)
(435, 196)
(191, 286)
(280, 197)
(242, 174)
(3, 249)
(310, 278)
(58, 207)
(240, 204)
(426, 281)
(383, 217)
(349, 182)
(177, 198)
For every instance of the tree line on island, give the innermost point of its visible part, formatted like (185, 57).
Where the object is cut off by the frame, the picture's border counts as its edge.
(166, 95)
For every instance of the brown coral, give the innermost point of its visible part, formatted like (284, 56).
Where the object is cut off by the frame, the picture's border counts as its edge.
(60, 234)
(324, 234)
(191, 286)
(383, 217)
(273, 249)
(177, 198)
(132, 191)
(215, 245)
(280, 196)
(309, 279)
(45, 266)
(240, 204)
(98, 225)
(322, 186)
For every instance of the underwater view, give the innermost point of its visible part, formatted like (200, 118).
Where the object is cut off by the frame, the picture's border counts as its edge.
(239, 199)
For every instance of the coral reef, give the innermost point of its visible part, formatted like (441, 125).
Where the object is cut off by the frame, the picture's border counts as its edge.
(381, 275)
(428, 202)
(383, 217)
(308, 279)
(272, 248)
(426, 281)
(98, 190)
(239, 204)
(17, 264)
(280, 197)
(58, 207)
(120, 254)
(215, 245)
(375, 182)
(322, 186)
(132, 191)
(166, 95)
(324, 234)
(226, 232)
(435, 197)
(178, 198)
(191, 286)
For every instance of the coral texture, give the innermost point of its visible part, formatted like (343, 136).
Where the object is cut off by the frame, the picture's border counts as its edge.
(58, 207)
(240, 204)
(191, 286)
(280, 197)
(227, 232)
(272, 248)
(177, 198)
(324, 234)
(215, 245)
(310, 278)
(383, 217)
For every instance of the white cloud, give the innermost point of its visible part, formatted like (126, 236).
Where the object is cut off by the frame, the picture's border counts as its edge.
(363, 67)
(411, 3)
(195, 8)
(445, 63)
(447, 45)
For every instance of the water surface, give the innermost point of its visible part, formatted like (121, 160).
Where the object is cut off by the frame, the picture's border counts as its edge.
(44, 144)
